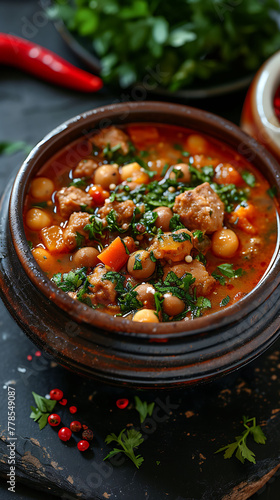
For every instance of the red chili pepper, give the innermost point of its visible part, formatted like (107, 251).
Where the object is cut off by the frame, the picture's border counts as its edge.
(41, 62)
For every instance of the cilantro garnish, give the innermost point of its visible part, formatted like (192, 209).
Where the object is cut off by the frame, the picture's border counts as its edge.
(43, 409)
(272, 191)
(137, 263)
(230, 194)
(239, 446)
(198, 234)
(175, 223)
(128, 440)
(227, 270)
(79, 239)
(95, 227)
(144, 409)
(79, 183)
(70, 282)
(204, 174)
(180, 237)
(249, 178)
(225, 301)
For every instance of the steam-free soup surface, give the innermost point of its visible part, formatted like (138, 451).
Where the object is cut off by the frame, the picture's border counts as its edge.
(151, 222)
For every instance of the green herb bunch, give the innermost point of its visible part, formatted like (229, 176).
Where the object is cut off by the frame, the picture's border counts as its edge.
(174, 44)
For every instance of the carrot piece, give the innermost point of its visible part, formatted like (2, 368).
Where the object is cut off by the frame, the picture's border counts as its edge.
(114, 256)
(242, 217)
(225, 173)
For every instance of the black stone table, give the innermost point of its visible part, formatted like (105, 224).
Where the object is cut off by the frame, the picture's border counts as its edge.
(186, 427)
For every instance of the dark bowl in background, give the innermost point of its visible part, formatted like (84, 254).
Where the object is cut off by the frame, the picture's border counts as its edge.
(116, 350)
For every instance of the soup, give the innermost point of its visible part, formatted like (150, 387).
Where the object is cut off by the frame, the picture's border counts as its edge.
(151, 222)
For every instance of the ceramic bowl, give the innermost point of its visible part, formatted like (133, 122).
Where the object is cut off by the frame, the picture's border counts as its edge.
(258, 115)
(116, 350)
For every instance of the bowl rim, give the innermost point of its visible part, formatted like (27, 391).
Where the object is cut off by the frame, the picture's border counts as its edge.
(261, 93)
(114, 113)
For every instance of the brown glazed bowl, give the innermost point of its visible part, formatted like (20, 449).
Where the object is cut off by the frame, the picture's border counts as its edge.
(116, 350)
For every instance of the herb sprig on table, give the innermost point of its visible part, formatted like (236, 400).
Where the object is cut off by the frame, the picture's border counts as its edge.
(239, 446)
(43, 409)
(128, 441)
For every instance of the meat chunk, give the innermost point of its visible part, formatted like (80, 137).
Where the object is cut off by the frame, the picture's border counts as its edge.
(75, 225)
(103, 291)
(204, 283)
(172, 246)
(112, 136)
(200, 208)
(85, 168)
(71, 199)
(123, 210)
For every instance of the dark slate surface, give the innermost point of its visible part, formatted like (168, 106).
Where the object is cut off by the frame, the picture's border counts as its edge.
(180, 440)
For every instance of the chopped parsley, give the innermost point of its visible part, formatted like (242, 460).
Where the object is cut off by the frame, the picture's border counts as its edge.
(225, 301)
(175, 223)
(79, 183)
(180, 237)
(137, 263)
(249, 178)
(70, 282)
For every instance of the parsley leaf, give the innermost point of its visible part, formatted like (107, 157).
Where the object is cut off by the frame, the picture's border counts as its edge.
(249, 178)
(198, 234)
(42, 411)
(225, 301)
(128, 440)
(180, 237)
(144, 409)
(79, 183)
(137, 262)
(175, 223)
(70, 282)
(79, 239)
(239, 446)
(95, 227)
(227, 270)
(272, 191)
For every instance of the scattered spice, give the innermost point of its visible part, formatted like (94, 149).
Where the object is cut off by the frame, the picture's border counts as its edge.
(122, 403)
(75, 426)
(64, 434)
(56, 394)
(83, 445)
(63, 402)
(54, 419)
(73, 409)
(87, 435)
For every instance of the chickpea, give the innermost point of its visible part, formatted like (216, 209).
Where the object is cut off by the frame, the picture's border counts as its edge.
(86, 257)
(37, 219)
(146, 316)
(42, 188)
(225, 243)
(148, 266)
(184, 175)
(106, 175)
(145, 293)
(43, 258)
(172, 305)
(196, 144)
(163, 218)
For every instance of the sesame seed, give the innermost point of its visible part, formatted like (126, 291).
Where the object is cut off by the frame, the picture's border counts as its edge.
(112, 187)
(171, 189)
(188, 259)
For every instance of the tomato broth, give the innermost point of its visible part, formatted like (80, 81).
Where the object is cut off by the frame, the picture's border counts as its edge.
(151, 222)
